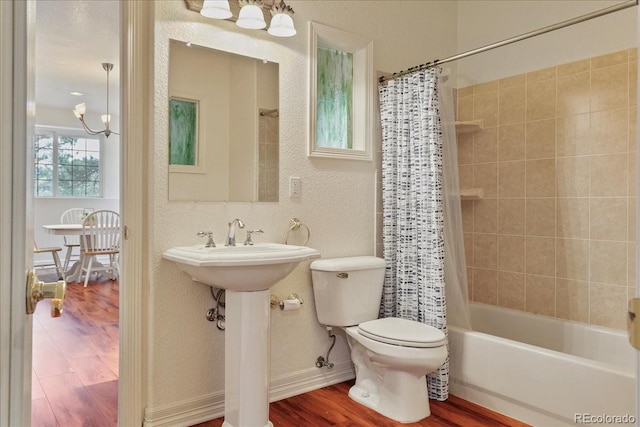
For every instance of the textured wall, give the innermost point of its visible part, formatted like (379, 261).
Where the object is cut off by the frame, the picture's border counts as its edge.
(186, 353)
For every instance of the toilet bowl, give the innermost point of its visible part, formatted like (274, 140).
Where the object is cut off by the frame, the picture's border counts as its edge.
(391, 356)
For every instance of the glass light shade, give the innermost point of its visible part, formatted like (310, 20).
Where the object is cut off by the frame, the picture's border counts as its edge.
(251, 17)
(217, 9)
(80, 110)
(282, 26)
(106, 118)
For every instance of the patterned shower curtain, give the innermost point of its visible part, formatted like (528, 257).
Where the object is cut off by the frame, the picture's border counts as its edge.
(412, 198)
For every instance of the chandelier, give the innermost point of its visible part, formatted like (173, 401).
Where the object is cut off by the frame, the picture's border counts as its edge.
(80, 110)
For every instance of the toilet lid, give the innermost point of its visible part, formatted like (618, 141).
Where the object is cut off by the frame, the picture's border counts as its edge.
(402, 332)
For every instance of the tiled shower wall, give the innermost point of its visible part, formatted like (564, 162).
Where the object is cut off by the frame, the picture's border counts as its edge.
(555, 231)
(268, 160)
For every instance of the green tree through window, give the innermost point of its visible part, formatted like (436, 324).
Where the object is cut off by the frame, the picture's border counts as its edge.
(66, 164)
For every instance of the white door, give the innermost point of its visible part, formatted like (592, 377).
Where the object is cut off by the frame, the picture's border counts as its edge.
(16, 127)
(17, 79)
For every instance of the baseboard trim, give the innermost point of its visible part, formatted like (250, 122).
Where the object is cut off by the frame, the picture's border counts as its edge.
(205, 408)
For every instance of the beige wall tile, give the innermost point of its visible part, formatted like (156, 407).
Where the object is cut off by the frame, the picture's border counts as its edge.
(572, 176)
(467, 215)
(540, 295)
(511, 142)
(608, 218)
(465, 108)
(540, 75)
(573, 94)
(485, 251)
(485, 145)
(485, 216)
(485, 108)
(574, 67)
(465, 148)
(608, 262)
(572, 300)
(608, 305)
(572, 259)
(609, 87)
(511, 216)
(633, 83)
(541, 216)
(491, 86)
(633, 54)
(485, 176)
(465, 91)
(511, 182)
(468, 249)
(511, 253)
(485, 286)
(541, 139)
(633, 129)
(573, 135)
(609, 131)
(465, 174)
(572, 218)
(541, 100)
(541, 178)
(512, 105)
(511, 290)
(632, 218)
(631, 265)
(509, 82)
(609, 175)
(541, 255)
(610, 59)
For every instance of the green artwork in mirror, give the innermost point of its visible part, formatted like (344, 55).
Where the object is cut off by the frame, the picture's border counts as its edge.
(183, 131)
(334, 121)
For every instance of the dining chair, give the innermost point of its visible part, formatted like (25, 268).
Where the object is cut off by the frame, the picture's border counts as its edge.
(56, 258)
(100, 238)
(71, 216)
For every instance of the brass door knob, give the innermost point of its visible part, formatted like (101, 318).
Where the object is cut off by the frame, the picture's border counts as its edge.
(38, 290)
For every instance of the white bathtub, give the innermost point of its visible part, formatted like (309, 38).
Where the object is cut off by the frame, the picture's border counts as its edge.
(542, 370)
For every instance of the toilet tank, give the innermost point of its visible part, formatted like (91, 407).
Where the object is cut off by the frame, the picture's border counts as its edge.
(347, 291)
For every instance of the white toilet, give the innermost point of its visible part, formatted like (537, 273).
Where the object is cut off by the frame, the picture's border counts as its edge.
(392, 356)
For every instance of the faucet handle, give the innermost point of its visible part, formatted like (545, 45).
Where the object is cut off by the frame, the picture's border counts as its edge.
(248, 241)
(210, 243)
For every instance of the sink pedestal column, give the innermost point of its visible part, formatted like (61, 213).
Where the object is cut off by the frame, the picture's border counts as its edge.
(247, 359)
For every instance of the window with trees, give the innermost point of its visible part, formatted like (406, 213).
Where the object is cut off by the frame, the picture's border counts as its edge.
(67, 164)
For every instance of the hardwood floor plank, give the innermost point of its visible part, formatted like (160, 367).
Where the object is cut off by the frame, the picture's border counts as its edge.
(75, 361)
(331, 406)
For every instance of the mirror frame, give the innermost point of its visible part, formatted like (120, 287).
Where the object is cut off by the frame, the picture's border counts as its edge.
(363, 90)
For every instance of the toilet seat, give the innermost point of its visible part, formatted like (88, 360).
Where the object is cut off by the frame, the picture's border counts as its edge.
(402, 332)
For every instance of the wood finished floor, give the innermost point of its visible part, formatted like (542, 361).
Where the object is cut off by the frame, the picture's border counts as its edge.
(75, 376)
(75, 358)
(331, 406)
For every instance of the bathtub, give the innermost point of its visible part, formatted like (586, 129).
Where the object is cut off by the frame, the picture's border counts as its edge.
(541, 370)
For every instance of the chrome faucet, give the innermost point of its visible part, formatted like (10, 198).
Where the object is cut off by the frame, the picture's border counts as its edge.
(231, 237)
(210, 243)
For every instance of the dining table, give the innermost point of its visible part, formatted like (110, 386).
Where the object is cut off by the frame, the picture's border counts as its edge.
(73, 229)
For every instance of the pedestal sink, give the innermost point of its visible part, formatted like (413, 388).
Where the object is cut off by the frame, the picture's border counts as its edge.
(246, 273)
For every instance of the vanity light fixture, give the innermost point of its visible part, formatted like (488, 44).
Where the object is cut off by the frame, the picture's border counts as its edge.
(251, 15)
(80, 110)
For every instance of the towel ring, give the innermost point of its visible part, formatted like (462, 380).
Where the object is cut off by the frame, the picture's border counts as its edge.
(294, 225)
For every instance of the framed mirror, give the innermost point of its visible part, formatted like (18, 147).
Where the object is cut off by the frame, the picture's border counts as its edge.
(227, 119)
(342, 93)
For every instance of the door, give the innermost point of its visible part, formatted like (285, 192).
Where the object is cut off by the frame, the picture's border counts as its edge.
(16, 124)
(17, 20)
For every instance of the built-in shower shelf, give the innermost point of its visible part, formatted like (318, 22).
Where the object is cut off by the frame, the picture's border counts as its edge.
(471, 194)
(468, 126)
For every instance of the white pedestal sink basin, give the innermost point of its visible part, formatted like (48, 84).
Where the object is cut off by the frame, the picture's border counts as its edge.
(247, 273)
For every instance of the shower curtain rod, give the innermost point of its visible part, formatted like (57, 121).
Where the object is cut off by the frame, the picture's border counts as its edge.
(559, 25)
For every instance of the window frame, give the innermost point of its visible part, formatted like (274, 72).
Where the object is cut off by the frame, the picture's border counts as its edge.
(56, 134)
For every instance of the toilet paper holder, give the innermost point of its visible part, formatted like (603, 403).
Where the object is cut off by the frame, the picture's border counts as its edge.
(281, 303)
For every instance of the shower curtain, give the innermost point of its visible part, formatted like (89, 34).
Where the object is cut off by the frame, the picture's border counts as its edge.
(416, 197)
